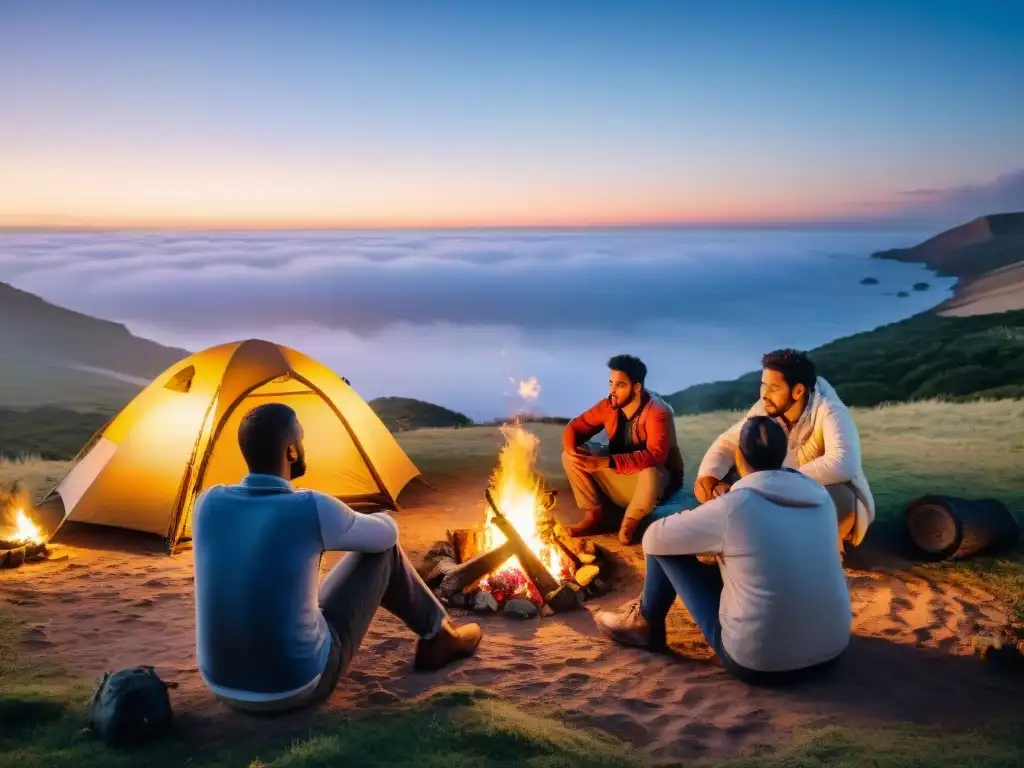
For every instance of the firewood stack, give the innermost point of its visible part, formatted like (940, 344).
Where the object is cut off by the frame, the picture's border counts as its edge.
(455, 567)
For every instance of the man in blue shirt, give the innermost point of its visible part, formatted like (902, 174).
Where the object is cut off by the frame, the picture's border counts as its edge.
(269, 637)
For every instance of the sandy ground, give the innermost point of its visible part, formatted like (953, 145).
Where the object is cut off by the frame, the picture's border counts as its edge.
(112, 604)
(1001, 290)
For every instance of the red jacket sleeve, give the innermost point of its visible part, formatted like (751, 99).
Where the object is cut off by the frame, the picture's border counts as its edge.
(656, 452)
(585, 426)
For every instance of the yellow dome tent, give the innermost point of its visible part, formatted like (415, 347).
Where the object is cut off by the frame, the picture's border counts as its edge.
(145, 468)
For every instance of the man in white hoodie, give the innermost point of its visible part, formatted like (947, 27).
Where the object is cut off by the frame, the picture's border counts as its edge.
(776, 607)
(823, 441)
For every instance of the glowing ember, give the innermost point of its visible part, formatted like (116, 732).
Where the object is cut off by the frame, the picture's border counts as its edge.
(25, 531)
(518, 494)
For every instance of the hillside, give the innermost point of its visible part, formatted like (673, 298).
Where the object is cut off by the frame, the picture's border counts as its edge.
(923, 357)
(49, 432)
(986, 254)
(55, 356)
(405, 413)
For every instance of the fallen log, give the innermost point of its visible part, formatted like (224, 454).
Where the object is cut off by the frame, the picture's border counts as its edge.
(461, 576)
(544, 581)
(467, 543)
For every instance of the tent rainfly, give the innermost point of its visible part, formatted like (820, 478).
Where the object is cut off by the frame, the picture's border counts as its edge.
(179, 436)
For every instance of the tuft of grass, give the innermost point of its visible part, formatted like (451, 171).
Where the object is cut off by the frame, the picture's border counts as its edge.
(893, 746)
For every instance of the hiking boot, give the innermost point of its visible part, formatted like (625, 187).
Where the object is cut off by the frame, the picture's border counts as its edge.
(627, 626)
(450, 644)
(588, 524)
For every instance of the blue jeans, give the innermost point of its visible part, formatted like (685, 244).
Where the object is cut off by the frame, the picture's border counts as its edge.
(699, 586)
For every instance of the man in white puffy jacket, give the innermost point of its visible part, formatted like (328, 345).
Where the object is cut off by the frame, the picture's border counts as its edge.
(823, 441)
(776, 607)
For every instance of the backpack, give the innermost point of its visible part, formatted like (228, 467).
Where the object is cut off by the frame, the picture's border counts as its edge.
(130, 706)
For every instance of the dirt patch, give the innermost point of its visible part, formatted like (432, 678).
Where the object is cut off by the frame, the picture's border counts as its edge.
(113, 604)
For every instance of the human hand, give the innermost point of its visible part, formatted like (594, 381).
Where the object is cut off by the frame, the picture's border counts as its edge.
(704, 487)
(707, 558)
(720, 490)
(591, 463)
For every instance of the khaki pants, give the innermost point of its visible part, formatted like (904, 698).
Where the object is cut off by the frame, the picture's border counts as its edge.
(637, 493)
(845, 499)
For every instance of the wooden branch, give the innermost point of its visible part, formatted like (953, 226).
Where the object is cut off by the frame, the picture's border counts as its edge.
(567, 551)
(544, 581)
(461, 576)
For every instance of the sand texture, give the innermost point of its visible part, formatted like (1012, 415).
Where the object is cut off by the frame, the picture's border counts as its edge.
(112, 604)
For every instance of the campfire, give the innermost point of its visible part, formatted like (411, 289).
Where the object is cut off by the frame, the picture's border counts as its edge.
(519, 558)
(20, 542)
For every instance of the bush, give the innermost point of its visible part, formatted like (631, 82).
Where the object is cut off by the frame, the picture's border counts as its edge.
(959, 382)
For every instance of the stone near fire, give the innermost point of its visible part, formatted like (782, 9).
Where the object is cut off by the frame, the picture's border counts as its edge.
(587, 558)
(521, 608)
(484, 602)
(567, 597)
(598, 588)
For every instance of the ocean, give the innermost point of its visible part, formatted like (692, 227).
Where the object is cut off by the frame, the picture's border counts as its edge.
(461, 318)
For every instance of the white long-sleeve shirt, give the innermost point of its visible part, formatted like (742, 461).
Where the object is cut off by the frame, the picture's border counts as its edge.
(824, 444)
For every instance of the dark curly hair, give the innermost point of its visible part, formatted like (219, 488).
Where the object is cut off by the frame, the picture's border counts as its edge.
(795, 367)
(633, 367)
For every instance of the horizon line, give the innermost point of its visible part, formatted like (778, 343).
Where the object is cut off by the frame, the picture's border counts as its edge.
(172, 225)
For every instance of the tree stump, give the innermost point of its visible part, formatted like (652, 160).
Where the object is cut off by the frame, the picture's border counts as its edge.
(951, 528)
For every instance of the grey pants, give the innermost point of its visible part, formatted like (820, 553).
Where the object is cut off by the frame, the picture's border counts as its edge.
(349, 598)
(637, 493)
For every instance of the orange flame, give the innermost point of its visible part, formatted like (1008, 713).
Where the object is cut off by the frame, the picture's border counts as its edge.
(517, 492)
(25, 530)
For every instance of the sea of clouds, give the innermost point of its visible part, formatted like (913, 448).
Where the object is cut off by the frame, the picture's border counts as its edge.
(460, 317)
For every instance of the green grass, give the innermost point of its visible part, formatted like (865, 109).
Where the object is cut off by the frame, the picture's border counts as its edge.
(969, 450)
(924, 357)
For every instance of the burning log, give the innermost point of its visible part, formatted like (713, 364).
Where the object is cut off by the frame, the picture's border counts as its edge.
(467, 543)
(535, 570)
(459, 577)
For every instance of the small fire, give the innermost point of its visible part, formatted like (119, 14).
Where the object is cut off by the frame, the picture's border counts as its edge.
(518, 494)
(25, 531)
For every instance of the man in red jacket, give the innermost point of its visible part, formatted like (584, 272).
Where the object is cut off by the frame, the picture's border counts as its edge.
(640, 465)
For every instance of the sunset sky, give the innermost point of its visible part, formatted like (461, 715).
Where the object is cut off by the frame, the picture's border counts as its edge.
(446, 113)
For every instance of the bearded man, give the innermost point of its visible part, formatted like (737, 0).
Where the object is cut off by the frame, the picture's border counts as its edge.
(823, 441)
(622, 481)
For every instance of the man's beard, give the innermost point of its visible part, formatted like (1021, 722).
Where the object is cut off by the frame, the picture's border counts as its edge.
(298, 467)
(617, 404)
(776, 411)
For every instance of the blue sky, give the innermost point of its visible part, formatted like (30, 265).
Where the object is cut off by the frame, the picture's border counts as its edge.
(492, 113)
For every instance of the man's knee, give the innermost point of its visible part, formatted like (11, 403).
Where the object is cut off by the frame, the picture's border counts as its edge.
(845, 501)
(649, 483)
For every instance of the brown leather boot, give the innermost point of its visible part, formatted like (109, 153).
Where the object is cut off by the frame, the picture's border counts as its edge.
(450, 644)
(627, 626)
(588, 524)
